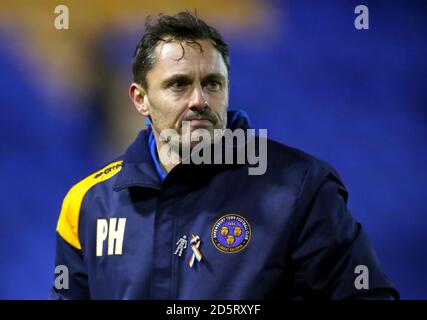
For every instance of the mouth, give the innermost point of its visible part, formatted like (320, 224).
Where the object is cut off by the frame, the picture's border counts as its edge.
(200, 123)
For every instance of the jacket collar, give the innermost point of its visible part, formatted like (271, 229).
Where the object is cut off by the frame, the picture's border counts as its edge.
(138, 168)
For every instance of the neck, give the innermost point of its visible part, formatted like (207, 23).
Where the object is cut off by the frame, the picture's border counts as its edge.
(166, 159)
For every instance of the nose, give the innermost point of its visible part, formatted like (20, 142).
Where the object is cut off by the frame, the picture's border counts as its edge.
(198, 101)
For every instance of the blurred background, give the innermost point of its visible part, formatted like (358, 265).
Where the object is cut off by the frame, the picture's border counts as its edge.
(355, 98)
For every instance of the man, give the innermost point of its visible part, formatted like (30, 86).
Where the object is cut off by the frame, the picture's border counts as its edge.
(285, 233)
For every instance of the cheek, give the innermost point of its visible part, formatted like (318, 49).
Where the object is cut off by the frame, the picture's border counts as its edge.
(169, 110)
(219, 104)
(218, 100)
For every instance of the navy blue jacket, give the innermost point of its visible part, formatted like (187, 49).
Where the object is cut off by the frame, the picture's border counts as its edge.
(286, 234)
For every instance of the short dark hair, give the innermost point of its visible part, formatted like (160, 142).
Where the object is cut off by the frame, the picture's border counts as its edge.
(182, 27)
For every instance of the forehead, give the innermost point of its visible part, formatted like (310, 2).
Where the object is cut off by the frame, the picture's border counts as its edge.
(182, 57)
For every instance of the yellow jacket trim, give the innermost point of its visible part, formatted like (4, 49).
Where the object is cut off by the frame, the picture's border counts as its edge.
(68, 222)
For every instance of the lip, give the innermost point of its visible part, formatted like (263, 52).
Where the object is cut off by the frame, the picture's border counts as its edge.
(200, 123)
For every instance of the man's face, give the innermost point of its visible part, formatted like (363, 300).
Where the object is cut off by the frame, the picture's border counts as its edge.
(193, 87)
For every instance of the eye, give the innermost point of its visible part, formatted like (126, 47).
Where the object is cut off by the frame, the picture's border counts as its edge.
(214, 85)
(178, 85)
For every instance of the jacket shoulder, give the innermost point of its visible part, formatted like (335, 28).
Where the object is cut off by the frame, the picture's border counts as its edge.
(68, 222)
(284, 156)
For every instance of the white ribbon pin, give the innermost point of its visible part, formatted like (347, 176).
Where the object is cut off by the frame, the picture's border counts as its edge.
(195, 243)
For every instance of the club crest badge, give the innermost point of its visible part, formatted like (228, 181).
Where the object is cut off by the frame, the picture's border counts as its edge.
(231, 233)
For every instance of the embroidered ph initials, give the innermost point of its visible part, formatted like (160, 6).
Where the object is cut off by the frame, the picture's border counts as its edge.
(114, 232)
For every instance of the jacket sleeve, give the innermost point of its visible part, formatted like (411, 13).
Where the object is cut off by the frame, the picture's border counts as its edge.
(69, 252)
(332, 257)
(71, 280)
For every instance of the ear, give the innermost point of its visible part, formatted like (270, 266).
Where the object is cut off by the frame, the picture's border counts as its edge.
(139, 98)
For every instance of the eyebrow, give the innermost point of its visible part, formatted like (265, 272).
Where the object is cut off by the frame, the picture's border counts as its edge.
(214, 76)
(186, 78)
(174, 78)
